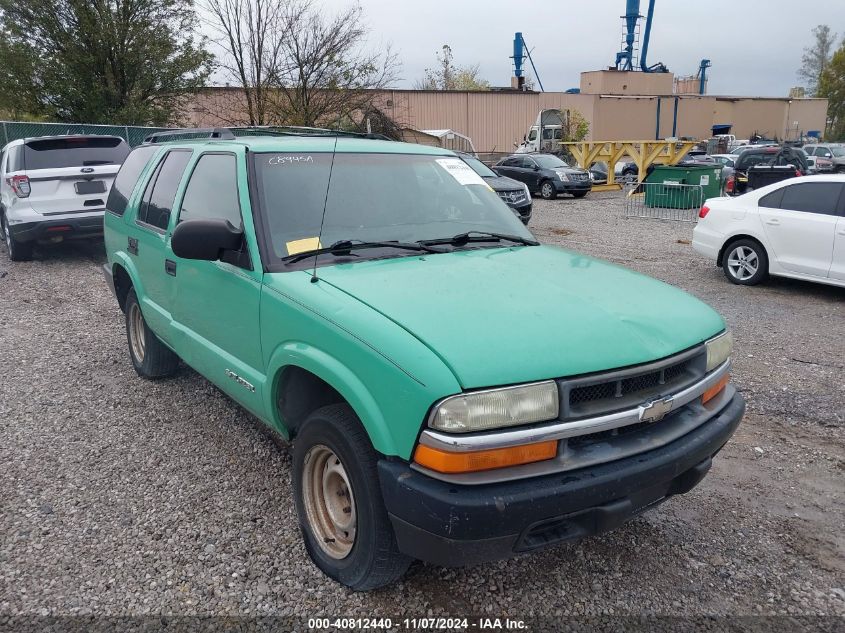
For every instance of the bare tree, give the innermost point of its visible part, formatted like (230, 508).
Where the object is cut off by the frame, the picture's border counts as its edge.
(328, 74)
(250, 33)
(447, 76)
(817, 57)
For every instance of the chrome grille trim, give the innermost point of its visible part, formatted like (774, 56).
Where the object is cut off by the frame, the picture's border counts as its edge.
(503, 438)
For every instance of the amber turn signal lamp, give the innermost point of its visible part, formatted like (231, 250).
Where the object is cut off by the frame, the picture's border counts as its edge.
(470, 462)
(715, 390)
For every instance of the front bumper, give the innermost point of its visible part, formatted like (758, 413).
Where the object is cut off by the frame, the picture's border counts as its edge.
(67, 227)
(453, 525)
(572, 186)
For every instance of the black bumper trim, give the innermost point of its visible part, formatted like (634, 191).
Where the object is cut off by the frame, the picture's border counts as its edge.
(453, 525)
(79, 227)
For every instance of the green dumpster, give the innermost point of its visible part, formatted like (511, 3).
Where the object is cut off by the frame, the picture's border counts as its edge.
(682, 186)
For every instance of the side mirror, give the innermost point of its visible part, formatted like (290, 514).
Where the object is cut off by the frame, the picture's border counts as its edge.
(536, 168)
(205, 239)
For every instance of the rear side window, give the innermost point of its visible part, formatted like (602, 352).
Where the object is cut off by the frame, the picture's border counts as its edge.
(212, 192)
(161, 190)
(812, 197)
(124, 183)
(771, 200)
(82, 151)
(15, 158)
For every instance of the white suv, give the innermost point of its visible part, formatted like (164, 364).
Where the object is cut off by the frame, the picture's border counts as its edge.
(55, 187)
(792, 228)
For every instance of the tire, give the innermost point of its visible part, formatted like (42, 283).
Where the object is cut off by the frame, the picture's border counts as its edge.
(547, 190)
(18, 251)
(745, 262)
(150, 357)
(354, 544)
(580, 194)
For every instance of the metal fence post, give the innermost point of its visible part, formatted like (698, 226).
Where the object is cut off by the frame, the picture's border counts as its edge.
(5, 134)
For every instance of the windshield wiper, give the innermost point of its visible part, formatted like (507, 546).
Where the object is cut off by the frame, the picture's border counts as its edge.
(343, 247)
(480, 236)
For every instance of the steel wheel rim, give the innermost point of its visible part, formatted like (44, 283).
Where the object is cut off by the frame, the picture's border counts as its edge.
(743, 263)
(329, 502)
(137, 336)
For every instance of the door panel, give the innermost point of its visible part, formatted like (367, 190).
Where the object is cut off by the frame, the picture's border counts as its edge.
(800, 232)
(216, 303)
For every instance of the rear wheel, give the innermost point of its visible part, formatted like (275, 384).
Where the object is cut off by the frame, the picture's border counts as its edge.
(150, 357)
(338, 500)
(547, 190)
(18, 251)
(745, 262)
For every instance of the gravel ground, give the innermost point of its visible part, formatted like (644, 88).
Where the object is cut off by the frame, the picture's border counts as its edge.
(121, 496)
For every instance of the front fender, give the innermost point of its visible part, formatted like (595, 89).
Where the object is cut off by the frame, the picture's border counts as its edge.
(339, 377)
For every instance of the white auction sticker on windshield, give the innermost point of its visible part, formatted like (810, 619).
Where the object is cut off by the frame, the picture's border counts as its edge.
(460, 171)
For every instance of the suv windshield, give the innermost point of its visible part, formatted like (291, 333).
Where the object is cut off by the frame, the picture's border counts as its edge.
(73, 151)
(479, 168)
(547, 161)
(374, 198)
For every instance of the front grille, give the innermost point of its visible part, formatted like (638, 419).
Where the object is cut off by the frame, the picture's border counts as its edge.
(615, 391)
(512, 197)
(579, 176)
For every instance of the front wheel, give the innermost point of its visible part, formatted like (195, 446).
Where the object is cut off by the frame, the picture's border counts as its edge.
(745, 263)
(548, 191)
(338, 501)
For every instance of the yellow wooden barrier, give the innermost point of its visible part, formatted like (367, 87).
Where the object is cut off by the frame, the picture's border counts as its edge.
(642, 154)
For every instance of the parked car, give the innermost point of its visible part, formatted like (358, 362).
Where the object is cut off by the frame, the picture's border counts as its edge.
(624, 172)
(54, 188)
(829, 151)
(768, 155)
(512, 192)
(793, 228)
(819, 165)
(455, 391)
(545, 174)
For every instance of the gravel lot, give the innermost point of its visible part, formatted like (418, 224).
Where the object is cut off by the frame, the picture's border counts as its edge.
(120, 496)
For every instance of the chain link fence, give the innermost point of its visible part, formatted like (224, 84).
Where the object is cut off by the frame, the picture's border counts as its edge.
(133, 135)
(663, 201)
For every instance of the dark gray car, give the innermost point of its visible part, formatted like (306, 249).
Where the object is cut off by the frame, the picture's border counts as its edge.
(514, 193)
(545, 174)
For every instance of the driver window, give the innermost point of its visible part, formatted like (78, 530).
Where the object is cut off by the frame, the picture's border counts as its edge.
(532, 135)
(212, 192)
(527, 163)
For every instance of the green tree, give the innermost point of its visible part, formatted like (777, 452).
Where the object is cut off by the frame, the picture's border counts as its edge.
(832, 87)
(817, 57)
(447, 76)
(100, 61)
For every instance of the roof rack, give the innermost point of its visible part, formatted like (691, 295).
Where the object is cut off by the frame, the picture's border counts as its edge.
(232, 133)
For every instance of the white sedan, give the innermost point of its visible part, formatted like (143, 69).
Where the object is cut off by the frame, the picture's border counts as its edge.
(793, 228)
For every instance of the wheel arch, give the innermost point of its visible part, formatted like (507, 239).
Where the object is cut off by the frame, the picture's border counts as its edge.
(125, 277)
(321, 379)
(736, 238)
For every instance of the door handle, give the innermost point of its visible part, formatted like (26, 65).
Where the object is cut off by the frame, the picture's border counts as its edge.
(133, 245)
(170, 267)
(773, 222)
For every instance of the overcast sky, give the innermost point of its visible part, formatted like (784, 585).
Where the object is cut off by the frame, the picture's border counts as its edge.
(755, 45)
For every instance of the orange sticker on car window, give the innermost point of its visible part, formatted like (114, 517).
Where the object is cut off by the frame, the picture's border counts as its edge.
(305, 244)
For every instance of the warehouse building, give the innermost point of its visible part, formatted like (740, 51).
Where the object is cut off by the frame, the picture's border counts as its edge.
(618, 105)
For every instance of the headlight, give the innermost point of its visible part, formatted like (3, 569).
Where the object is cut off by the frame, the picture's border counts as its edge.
(719, 350)
(527, 191)
(485, 410)
(562, 175)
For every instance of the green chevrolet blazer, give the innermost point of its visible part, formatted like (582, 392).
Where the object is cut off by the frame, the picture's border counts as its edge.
(453, 390)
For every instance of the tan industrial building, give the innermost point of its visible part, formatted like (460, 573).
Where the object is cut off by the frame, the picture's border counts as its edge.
(618, 105)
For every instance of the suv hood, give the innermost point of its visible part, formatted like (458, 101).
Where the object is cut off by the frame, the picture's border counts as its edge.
(508, 315)
(503, 183)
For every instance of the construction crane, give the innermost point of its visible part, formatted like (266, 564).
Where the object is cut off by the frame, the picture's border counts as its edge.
(625, 58)
(702, 75)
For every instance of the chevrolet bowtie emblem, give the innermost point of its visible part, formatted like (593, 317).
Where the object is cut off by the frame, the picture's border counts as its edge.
(655, 410)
